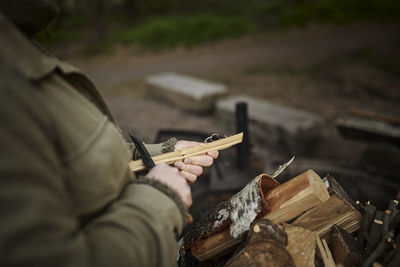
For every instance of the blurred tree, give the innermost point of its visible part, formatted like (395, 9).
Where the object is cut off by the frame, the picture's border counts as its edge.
(131, 7)
(61, 5)
(95, 10)
(135, 9)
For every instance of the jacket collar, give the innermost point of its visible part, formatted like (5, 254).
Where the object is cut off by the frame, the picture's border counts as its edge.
(20, 54)
(35, 63)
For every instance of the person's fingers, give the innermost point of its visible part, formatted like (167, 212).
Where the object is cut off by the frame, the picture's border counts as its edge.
(202, 160)
(186, 144)
(190, 177)
(188, 199)
(214, 154)
(175, 179)
(195, 169)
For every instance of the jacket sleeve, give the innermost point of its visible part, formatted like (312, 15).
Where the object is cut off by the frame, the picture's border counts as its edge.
(38, 226)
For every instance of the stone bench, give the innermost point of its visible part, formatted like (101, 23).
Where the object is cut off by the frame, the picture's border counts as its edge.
(184, 92)
(270, 123)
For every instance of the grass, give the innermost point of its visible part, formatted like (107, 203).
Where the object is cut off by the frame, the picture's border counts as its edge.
(65, 31)
(171, 31)
(182, 29)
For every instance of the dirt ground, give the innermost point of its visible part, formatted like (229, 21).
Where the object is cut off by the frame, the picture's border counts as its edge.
(323, 69)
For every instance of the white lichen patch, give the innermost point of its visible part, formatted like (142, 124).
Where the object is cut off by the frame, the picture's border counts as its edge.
(223, 214)
(245, 205)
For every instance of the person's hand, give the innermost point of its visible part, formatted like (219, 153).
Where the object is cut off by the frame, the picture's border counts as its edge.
(192, 167)
(172, 177)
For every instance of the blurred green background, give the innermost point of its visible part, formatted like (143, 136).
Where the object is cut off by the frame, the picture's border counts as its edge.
(160, 24)
(326, 57)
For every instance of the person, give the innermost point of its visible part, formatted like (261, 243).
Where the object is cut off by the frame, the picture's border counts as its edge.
(67, 196)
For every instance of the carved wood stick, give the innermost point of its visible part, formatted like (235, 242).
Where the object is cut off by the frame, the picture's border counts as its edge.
(171, 157)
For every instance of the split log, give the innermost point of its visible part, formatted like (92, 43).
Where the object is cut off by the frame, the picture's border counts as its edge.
(301, 245)
(265, 247)
(269, 253)
(265, 229)
(325, 253)
(211, 237)
(283, 203)
(345, 249)
(323, 217)
(171, 157)
(335, 188)
(294, 197)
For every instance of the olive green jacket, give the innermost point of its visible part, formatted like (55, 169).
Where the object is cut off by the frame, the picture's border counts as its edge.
(67, 196)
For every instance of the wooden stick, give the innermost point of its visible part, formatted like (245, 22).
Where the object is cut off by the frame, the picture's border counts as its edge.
(389, 255)
(395, 221)
(394, 258)
(379, 250)
(374, 116)
(367, 219)
(395, 261)
(395, 215)
(375, 233)
(171, 157)
(386, 221)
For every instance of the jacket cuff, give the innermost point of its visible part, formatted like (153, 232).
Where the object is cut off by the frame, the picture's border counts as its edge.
(169, 145)
(154, 149)
(171, 193)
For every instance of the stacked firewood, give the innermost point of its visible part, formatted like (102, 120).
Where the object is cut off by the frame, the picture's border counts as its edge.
(379, 235)
(307, 221)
